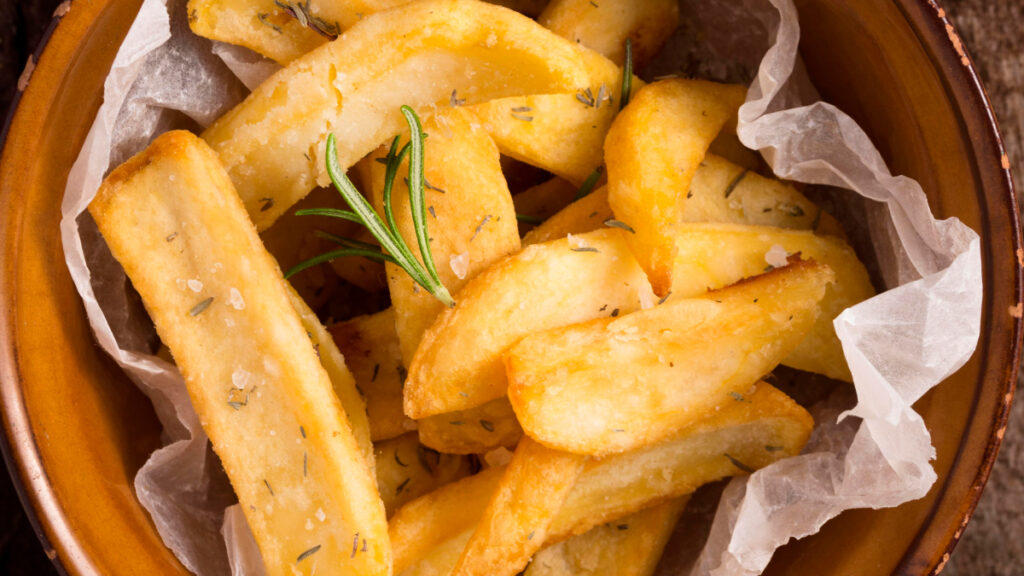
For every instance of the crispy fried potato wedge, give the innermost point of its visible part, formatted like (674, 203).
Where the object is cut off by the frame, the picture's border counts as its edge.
(616, 384)
(754, 200)
(441, 560)
(604, 26)
(173, 220)
(713, 256)
(430, 521)
(629, 546)
(514, 525)
(544, 200)
(472, 431)
(370, 347)
(458, 364)
(725, 192)
(342, 380)
(745, 435)
(584, 215)
(266, 27)
(270, 29)
(273, 143)
(652, 152)
(561, 133)
(406, 470)
(471, 218)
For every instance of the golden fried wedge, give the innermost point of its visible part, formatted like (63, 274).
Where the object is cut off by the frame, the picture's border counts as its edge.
(725, 192)
(470, 218)
(749, 433)
(727, 145)
(458, 364)
(652, 152)
(605, 26)
(370, 347)
(274, 29)
(713, 256)
(744, 436)
(273, 143)
(584, 215)
(406, 470)
(629, 546)
(171, 217)
(472, 431)
(561, 133)
(430, 521)
(617, 384)
(342, 380)
(754, 200)
(515, 523)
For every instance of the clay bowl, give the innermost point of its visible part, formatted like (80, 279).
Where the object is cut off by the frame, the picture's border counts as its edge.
(76, 430)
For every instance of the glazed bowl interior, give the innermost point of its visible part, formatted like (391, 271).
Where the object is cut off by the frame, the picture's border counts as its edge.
(78, 430)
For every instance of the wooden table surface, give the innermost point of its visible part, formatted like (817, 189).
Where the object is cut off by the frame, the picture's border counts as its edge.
(993, 544)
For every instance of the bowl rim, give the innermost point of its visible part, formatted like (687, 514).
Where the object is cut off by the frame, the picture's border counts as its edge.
(935, 32)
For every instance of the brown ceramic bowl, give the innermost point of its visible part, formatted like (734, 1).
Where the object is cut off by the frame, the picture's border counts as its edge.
(76, 429)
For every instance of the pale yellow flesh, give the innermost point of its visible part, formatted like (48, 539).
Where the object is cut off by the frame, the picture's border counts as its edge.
(629, 546)
(370, 347)
(470, 217)
(652, 152)
(604, 26)
(273, 143)
(763, 428)
(617, 384)
(458, 364)
(170, 216)
(561, 133)
(515, 523)
(472, 431)
(406, 470)
(712, 256)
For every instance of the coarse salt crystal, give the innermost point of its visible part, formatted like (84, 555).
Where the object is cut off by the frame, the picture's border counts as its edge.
(460, 265)
(320, 514)
(777, 256)
(236, 300)
(240, 378)
(195, 285)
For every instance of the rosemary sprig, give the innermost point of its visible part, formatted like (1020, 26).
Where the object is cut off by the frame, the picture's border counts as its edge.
(301, 12)
(589, 184)
(627, 75)
(393, 247)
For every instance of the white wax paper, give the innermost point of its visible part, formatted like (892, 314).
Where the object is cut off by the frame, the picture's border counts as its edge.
(897, 344)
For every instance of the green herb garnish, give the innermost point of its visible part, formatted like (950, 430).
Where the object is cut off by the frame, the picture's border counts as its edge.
(739, 464)
(198, 308)
(627, 75)
(529, 219)
(613, 223)
(301, 12)
(735, 182)
(308, 553)
(588, 185)
(393, 247)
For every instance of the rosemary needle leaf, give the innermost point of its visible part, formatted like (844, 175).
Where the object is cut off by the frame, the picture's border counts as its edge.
(376, 255)
(332, 212)
(588, 185)
(529, 219)
(627, 75)
(418, 205)
(348, 242)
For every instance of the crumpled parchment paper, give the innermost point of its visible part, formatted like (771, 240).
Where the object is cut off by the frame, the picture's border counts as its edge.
(875, 455)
